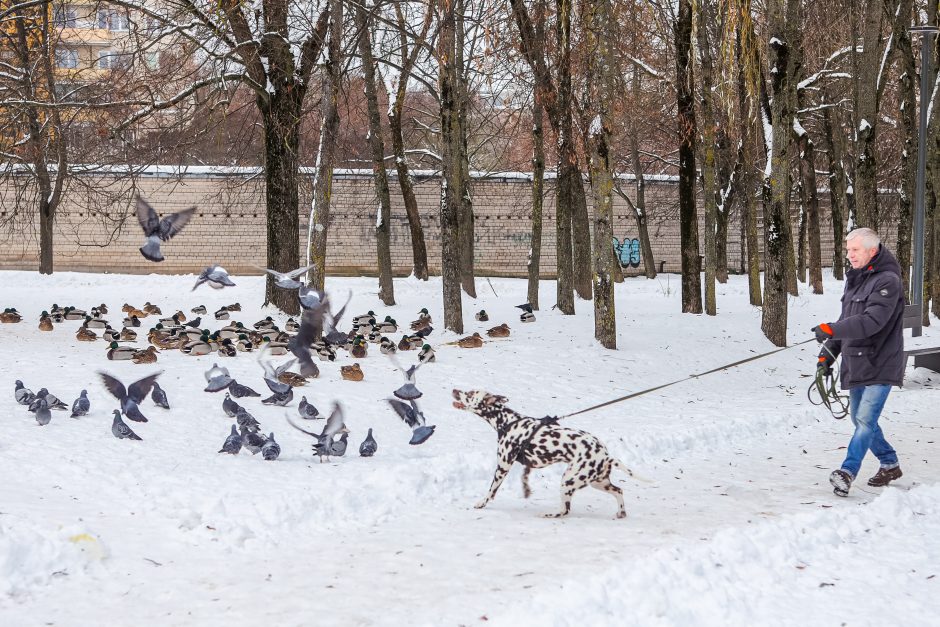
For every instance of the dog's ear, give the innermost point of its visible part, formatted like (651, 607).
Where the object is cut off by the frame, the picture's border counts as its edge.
(495, 399)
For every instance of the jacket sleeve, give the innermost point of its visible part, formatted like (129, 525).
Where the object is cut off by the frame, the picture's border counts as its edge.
(831, 348)
(879, 307)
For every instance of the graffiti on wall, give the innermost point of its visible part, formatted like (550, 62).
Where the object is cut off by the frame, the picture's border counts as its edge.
(628, 252)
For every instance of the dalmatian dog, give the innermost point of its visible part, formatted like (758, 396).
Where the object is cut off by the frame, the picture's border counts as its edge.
(540, 442)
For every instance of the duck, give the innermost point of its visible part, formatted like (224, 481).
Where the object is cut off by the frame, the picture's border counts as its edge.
(233, 307)
(110, 334)
(426, 355)
(192, 334)
(351, 373)
(404, 344)
(146, 356)
(363, 318)
(152, 309)
(85, 335)
(102, 309)
(387, 346)
(387, 326)
(266, 323)
(128, 334)
(364, 328)
(227, 348)
(232, 331)
(416, 340)
(222, 314)
(127, 308)
(292, 379)
(130, 321)
(56, 316)
(45, 322)
(291, 326)
(118, 353)
(162, 339)
(527, 316)
(359, 349)
(95, 323)
(482, 316)
(74, 314)
(244, 344)
(199, 310)
(277, 348)
(272, 334)
(424, 320)
(324, 351)
(179, 315)
(471, 341)
(10, 316)
(197, 347)
(138, 313)
(500, 331)
(374, 338)
(172, 321)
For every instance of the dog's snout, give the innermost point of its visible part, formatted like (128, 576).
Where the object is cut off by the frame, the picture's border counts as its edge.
(456, 393)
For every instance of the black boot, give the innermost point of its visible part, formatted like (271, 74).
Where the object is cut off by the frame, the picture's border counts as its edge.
(841, 481)
(884, 476)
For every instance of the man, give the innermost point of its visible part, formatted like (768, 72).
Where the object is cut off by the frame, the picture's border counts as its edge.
(868, 334)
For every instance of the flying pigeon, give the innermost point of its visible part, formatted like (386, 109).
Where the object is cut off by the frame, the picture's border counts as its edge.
(24, 396)
(40, 409)
(287, 279)
(121, 430)
(81, 405)
(158, 396)
(230, 407)
(252, 440)
(215, 276)
(324, 446)
(306, 409)
(369, 446)
(407, 392)
(311, 325)
(132, 396)
(414, 418)
(157, 229)
(271, 450)
(233, 443)
(218, 378)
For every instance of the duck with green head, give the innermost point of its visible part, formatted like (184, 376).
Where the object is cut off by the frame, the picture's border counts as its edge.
(116, 352)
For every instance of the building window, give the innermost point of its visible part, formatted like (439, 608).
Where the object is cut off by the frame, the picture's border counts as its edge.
(110, 19)
(67, 59)
(65, 16)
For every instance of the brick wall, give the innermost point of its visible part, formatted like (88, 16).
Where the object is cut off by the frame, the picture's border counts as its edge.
(96, 230)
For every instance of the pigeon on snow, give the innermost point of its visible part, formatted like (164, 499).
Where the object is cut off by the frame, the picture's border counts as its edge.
(81, 405)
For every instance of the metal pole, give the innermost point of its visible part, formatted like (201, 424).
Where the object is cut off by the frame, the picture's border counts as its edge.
(917, 280)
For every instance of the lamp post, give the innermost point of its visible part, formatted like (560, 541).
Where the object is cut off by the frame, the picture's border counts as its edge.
(917, 280)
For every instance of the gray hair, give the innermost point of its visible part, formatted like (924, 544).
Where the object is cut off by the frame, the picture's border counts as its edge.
(869, 238)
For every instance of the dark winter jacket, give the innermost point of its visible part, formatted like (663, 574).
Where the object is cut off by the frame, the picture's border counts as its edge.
(869, 331)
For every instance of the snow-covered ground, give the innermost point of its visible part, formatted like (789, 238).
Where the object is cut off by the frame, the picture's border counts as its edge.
(731, 522)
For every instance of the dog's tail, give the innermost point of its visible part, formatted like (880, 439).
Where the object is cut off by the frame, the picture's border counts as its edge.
(619, 464)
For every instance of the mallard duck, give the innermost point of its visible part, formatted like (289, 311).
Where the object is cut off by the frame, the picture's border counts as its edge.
(222, 314)
(180, 316)
(424, 320)
(351, 373)
(276, 348)
(172, 321)
(10, 316)
(128, 334)
(365, 328)
(127, 308)
(85, 335)
(45, 322)
(272, 334)
(500, 331)
(387, 326)
(266, 323)
(138, 313)
(482, 316)
(426, 354)
(233, 307)
(359, 348)
(200, 310)
(404, 344)
(117, 352)
(131, 321)
(471, 341)
(363, 318)
(527, 316)
(374, 338)
(244, 344)
(103, 309)
(110, 334)
(291, 326)
(387, 346)
(197, 347)
(57, 316)
(232, 331)
(74, 314)
(325, 352)
(292, 379)
(226, 348)
(95, 323)
(417, 341)
(152, 309)
(146, 356)
(163, 340)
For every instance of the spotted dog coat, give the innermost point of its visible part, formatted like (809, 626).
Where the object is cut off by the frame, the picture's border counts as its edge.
(540, 442)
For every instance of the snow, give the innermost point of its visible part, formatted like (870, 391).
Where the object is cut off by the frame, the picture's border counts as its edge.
(596, 126)
(730, 519)
(863, 126)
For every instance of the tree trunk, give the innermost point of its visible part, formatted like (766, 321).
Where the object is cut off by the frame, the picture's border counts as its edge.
(380, 178)
(801, 237)
(450, 180)
(688, 224)
(783, 23)
(600, 34)
(909, 130)
(538, 182)
(811, 204)
(748, 116)
(323, 187)
(726, 179)
(465, 220)
(709, 161)
(836, 194)
(866, 111)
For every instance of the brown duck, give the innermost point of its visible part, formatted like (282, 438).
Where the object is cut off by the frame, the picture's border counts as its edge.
(45, 322)
(10, 316)
(146, 356)
(423, 321)
(292, 379)
(500, 331)
(152, 309)
(85, 335)
(471, 341)
(128, 334)
(351, 373)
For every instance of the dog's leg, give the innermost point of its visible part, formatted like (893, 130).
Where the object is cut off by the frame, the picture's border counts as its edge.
(571, 482)
(502, 469)
(606, 486)
(526, 491)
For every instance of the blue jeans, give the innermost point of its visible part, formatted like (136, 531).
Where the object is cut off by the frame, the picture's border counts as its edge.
(865, 405)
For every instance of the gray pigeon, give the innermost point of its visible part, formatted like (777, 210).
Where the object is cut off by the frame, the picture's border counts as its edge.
(369, 446)
(252, 440)
(338, 448)
(215, 276)
(158, 230)
(280, 399)
(407, 392)
(40, 409)
(246, 420)
(311, 326)
(230, 407)
(239, 391)
(271, 450)
(271, 373)
(334, 424)
(233, 443)
(158, 396)
(132, 396)
(306, 410)
(287, 280)
(24, 396)
(81, 405)
(121, 430)
(51, 400)
(218, 378)
(414, 418)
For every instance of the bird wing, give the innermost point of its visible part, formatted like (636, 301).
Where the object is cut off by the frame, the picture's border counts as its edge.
(174, 223)
(139, 390)
(405, 412)
(148, 218)
(114, 386)
(293, 274)
(339, 314)
(335, 423)
(418, 413)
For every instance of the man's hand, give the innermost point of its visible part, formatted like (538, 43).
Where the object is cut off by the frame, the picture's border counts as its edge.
(825, 362)
(823, 332)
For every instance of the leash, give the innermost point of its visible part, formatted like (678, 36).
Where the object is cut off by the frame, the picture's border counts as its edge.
(691, 376)
(825, 385)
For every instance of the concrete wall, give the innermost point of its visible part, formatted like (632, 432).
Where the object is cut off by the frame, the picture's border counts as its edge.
(96, 230)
